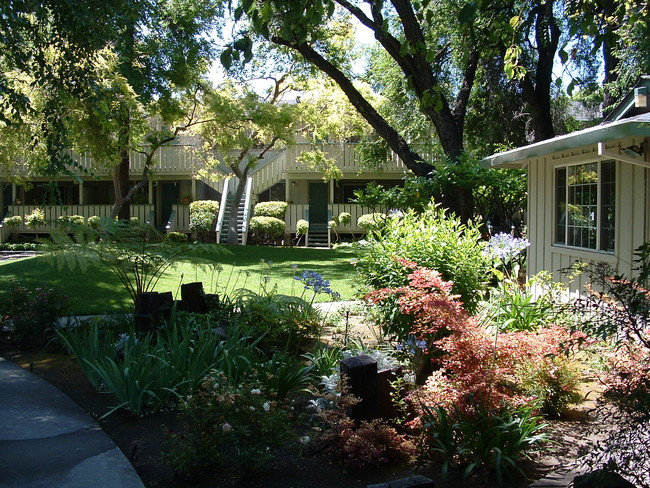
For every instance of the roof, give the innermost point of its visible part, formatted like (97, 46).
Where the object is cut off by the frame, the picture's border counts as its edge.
(634, 126)
(625, 120)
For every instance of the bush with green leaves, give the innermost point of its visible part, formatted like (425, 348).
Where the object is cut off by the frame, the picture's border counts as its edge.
(372, 221)
(302, 227)
(30, 313)
(13, 221)
(228, 426)
(284, 322)
(35, 219)
(68, 221)
(202, 215)
(433, 240)
(271, 209)
(94, 221)
(176, 237)
(344, 218)
(25, 246)
(266, 230)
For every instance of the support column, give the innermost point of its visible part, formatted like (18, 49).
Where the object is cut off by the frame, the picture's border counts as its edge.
(81, 192)
(14, 193)
(150, 192)
(193, 189)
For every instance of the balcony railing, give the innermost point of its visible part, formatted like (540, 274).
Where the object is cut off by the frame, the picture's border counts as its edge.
(144, 213)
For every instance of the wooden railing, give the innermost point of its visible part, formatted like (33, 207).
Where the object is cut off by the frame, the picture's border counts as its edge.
(144, 213)
(295, 212)
(180, 221)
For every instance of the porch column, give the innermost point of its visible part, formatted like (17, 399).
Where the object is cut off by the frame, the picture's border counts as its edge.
(14, 193)
(193, 189)
(81, 192)
(150, 192)
(287, 190)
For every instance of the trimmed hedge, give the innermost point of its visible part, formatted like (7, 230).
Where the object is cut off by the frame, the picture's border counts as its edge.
(271, 209)
(13, 221)
(302, 226)
(266, 229)
(202, 215)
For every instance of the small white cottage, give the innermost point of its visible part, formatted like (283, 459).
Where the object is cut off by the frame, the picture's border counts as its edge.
(589, 191)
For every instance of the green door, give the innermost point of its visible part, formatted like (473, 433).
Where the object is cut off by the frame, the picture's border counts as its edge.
(169, 196)
(318, 203)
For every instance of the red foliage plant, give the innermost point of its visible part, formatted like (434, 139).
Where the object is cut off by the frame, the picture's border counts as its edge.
(478, 366)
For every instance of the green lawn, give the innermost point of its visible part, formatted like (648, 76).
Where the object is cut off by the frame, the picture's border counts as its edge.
(99, 291)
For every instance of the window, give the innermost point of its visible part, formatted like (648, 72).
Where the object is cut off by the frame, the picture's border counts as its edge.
(585, 205)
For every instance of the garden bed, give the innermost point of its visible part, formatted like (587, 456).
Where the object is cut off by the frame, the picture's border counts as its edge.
(141, 439)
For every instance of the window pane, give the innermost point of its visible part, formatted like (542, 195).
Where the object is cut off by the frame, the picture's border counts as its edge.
(560, 206)
(582, 205)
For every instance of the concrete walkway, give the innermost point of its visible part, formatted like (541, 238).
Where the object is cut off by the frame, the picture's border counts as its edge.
(48, 441)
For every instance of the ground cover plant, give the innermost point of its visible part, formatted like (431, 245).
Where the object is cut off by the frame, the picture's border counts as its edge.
(98, 291)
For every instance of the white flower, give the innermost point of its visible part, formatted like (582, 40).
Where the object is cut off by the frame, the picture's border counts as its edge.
(252, 407)
(304, 440)
(266, 406)
(226, 427)
(256, 391)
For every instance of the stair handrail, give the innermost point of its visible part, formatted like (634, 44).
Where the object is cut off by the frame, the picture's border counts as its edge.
(222, 208)
(247, 204)
(170, 223)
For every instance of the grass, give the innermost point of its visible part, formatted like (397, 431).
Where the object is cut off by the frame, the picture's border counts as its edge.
(99, 291)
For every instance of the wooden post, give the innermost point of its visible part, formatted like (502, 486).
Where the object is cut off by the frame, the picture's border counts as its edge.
(192, 293)
(360, 373)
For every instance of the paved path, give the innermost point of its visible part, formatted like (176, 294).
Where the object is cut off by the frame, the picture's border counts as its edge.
(48, 441)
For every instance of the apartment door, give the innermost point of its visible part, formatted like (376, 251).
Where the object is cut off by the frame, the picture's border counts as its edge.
(169, 196)
(318, 193)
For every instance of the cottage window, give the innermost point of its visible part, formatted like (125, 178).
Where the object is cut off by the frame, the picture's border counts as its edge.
(585, 205)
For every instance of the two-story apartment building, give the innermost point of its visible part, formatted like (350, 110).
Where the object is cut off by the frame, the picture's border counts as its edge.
(164, 202)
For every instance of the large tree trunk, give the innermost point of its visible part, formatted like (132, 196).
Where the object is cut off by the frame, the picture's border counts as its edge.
(538, 94)
(123, 175)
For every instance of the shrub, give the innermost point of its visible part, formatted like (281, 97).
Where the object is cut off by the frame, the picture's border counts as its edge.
(150, 371)
(372, 221)
(554, 380)
(433, 240)
(35, 219)
(176, 237)
(202, 215)
(283, 322)
(13, 221)
(271, 209)
(94, 221)
(232, 427)
(31, 312)
(362, 445)
(302, 227)
(497, 438)
(266, 230)
(344, 218)
(70, 220)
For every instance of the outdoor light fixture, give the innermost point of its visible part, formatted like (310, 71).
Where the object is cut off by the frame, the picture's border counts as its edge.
(634, 151)
(641, 97)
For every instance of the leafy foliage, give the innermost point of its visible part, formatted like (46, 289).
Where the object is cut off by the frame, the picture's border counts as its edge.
(432, 239)
(228, 426)
(31, 313)
(13, 221)
(271, 209)
(266, 230)
(202, 215)
(371, 221)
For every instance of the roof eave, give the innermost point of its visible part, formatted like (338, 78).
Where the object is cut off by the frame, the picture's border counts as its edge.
(517, 158)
